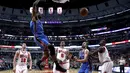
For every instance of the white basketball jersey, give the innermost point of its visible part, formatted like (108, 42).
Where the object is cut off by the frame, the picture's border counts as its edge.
(23, 56)
(61, 54)
(104, 56)
(60, 1)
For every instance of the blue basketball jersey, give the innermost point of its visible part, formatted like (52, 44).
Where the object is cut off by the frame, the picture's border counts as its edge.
(38, 31)
(39, 28)
(85, 65)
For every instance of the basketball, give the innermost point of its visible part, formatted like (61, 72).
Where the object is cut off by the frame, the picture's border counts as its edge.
(84, 11)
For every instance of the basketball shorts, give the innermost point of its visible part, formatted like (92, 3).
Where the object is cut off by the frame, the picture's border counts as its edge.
(107, 67)
(84, 68)
(42, 41)
(21, 69)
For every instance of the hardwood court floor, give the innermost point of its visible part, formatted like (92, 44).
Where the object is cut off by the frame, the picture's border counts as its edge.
(44, 71)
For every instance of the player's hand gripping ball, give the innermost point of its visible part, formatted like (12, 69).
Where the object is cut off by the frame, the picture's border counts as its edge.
(83, 11)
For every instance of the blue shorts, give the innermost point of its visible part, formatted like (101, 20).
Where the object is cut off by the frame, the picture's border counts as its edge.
(84, 69)
(42, 41)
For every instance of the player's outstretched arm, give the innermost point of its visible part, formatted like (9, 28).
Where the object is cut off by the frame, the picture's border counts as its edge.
(100, 49)
(30, 60)
(14, 60)
(34, 11)
(34, 15)
(85, 57)
(93, 57)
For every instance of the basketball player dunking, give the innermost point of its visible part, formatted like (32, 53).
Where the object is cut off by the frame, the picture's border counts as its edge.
(83, 59)
(104, 57)
(62, 56)
(41, 39)
(22, 55)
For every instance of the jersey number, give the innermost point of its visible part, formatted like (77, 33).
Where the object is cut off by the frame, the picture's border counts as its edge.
(23, 59)
(62, 55)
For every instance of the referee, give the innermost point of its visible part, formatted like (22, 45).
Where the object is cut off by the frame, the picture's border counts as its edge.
(122, 63)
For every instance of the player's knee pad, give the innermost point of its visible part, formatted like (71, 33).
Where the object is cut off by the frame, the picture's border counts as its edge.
(52, 49)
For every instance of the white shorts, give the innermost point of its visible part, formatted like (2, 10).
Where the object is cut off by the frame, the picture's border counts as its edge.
(21, 69)
(64, 65)
(107, 67)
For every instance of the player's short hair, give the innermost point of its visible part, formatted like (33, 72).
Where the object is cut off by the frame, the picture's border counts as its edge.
(63, 41)
(102, 42)
(22, 43)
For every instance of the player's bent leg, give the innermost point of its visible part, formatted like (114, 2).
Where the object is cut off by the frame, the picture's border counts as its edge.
(44, 42)
(103, 70)
(54, 69)
(66, 66)
(44, 57)
(53, 55)
(18, 69)
(81, 71)
(87, 70)
(107, 67)
(110, 66)
(25, 71)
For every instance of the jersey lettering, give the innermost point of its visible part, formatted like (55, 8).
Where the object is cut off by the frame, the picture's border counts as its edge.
(23, 59)
(62, 55)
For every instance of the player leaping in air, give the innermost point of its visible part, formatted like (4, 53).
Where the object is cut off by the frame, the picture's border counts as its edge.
(41, 39)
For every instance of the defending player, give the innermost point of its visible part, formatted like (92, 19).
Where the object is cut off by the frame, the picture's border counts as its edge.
(62, 56)
(22, 55)
(41, 39)
(83, 59)
(104, 58)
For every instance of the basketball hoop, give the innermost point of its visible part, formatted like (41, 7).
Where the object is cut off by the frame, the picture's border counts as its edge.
(60, 1)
